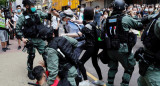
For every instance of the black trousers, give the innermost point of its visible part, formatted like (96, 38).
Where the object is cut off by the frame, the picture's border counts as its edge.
(90, 52)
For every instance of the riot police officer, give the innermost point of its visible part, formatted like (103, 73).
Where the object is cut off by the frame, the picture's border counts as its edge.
(149, 55)
(61, 57)
(31, 23)
(116, 29)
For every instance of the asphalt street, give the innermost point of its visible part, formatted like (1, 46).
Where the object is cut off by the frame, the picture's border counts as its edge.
(14, 73)
(118, 78)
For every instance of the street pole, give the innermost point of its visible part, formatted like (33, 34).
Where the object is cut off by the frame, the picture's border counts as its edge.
(80, 2)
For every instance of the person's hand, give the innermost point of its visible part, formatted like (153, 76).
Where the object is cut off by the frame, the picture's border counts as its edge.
(57, 78)
(72, 20)
(132, 13)
(42, 63)
(24, 40)
(63, 35)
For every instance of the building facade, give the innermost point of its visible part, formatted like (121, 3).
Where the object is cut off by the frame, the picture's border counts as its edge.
(63, 4)
(107, 3)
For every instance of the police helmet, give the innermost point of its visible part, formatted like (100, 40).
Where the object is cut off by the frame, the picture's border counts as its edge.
(28, 2)
(119, 5)
(47, 35)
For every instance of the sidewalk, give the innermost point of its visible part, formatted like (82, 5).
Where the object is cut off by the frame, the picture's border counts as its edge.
(14, 66)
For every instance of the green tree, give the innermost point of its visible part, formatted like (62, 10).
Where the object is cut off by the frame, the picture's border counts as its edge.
(2, 2)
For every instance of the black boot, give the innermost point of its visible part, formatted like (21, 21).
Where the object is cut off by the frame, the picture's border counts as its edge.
(30, 66)
(30, 75)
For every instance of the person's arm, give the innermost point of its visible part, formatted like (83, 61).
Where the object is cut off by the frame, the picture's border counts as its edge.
(19, 31)
(58, 23)
(72, 34)
(45, 15)
(157, 29)
(52, 65)
(129, 22)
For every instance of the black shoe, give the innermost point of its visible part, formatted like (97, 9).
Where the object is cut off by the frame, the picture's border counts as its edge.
(9, 44)
(19, 47)
(7, 48)
(4, 49)
(30, 75)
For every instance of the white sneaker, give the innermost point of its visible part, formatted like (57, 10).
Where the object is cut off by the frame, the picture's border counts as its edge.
(98, 82)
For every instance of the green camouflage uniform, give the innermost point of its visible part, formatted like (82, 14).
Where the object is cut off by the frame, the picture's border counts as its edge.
(122, 55)
(53, 64)
(37, 42)
(152, 76)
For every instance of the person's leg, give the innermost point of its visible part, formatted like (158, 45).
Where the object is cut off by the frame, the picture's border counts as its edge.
(141, 81)
(113, 69)
(72, 73)
(3, 46)
(83, 60)
(19, 44)
(2, 38)
(95, 64)
(41, 48)
(128, 62)
(31, 56)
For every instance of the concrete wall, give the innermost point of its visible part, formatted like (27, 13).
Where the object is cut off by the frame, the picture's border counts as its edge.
(94, 3)
(98, 3)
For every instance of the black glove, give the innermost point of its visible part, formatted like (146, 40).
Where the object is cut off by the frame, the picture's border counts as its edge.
(139, 51)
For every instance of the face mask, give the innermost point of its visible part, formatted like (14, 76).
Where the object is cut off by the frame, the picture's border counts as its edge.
(19, 10)
(64, 23)
(130, 9)
(82, 9)
(33, 9)
(134, 11)
(150, 10)
(97, 10)
(146, 10)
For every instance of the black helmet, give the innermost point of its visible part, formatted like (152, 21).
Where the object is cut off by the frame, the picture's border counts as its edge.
(28, 2)
(119, 5)
(46, 33)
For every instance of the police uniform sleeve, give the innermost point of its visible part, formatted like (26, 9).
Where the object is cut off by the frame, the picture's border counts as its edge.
(157, 29)
(44, 15)
(19, 25)
(52, 65)
(129, 22)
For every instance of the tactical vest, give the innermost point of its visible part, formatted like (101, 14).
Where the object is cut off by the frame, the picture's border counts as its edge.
(150, 40)
(115, 32)
(32, 25)
(67, 55)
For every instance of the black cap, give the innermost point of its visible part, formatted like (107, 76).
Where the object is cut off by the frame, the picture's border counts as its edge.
(119, 5)
(28, 2)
